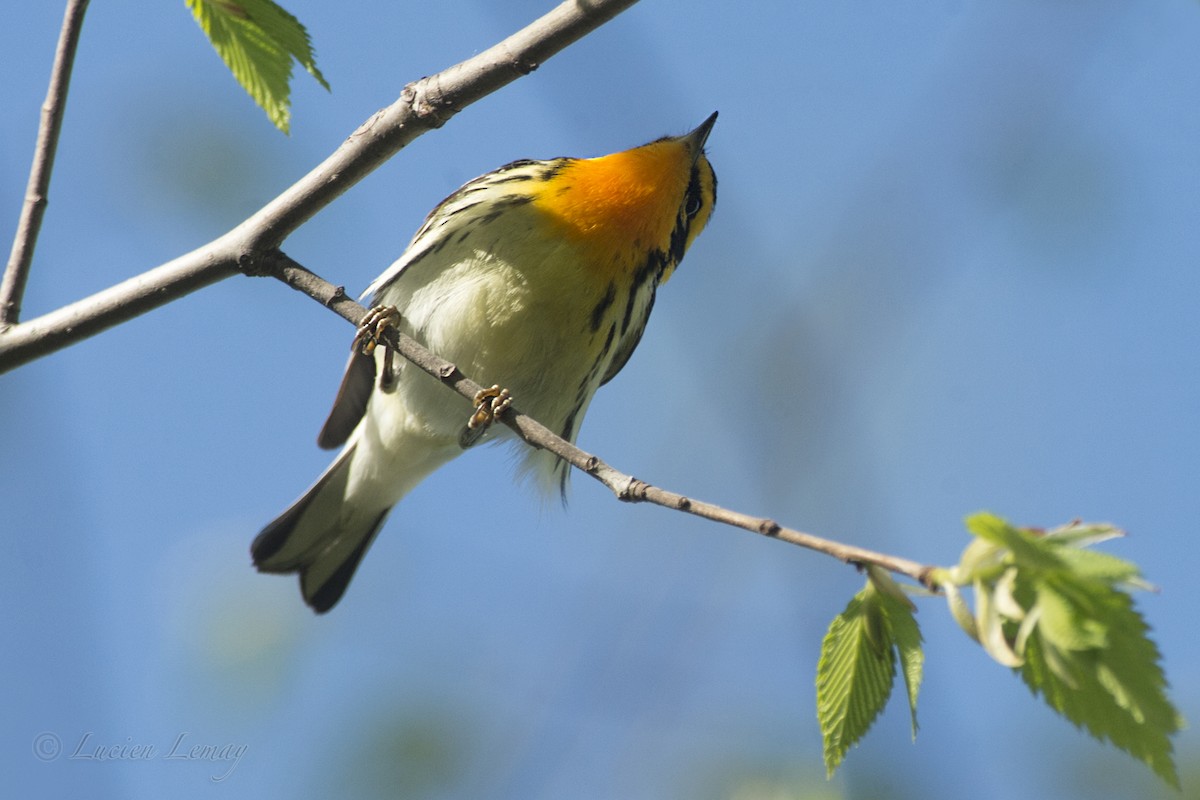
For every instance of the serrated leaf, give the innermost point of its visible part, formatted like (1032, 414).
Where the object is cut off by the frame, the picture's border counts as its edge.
(854, 674)
(1061, 616)
(258, 40)
(1116, 692)
(1084, 534)
(898, 612)
(902, 626)
(1095, 565)
(1064, 620)
(1025, 547)
(986, 525)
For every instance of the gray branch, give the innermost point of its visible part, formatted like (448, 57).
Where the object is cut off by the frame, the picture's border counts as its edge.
(253, 248)
(626, 487)
(16, 274)
(422, 106)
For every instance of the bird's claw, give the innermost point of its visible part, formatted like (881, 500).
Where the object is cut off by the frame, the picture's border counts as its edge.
(489, 404)
(373, 327)
(371, 333)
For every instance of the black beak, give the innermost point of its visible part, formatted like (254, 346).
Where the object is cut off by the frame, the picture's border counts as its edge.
(698, 137)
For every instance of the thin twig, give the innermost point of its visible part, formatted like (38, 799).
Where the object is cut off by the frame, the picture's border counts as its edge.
(16, 274)
(626, 487)
(251, 248)
(422, 106)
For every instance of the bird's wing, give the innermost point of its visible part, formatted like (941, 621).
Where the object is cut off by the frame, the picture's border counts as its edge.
(351, 401)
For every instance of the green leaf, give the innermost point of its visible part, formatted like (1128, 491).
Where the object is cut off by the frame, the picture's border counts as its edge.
(1103, 673)
(1026, 546)
(1097, 566)
(959, 609)
(902, 626)
(1084, 534)
(1062, 617)
(991, 622)
(258, 40)
(856, 671)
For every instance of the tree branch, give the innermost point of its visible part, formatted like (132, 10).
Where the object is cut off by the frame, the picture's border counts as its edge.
(626, 487)
(422, 106)
(252, 248)
(12, 288)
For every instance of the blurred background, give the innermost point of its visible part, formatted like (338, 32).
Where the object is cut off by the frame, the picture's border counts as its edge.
(953, 267)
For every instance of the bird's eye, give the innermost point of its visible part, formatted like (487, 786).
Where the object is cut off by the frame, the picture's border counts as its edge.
(692, 207)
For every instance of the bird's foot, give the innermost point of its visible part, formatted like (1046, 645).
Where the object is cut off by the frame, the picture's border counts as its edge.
(489, 403)
(371, 333)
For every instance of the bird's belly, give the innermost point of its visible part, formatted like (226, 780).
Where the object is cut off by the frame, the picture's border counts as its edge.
(509, 325)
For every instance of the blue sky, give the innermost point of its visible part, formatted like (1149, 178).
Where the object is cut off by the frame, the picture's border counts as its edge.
(952, 267)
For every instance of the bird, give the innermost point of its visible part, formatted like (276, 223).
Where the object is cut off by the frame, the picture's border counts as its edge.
(540, 277)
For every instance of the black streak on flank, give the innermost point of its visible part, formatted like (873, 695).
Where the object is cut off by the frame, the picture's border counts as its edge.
(603, 306)
(608, 340)
(571, 427)
(654, 266)
(581, 393)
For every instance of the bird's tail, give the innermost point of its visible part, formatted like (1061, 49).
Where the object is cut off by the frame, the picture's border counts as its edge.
(322, 536)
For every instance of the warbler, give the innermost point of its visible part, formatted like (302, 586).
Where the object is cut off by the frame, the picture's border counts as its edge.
(539, 276)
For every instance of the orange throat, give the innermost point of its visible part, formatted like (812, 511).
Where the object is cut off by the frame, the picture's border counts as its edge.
(619, 207)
